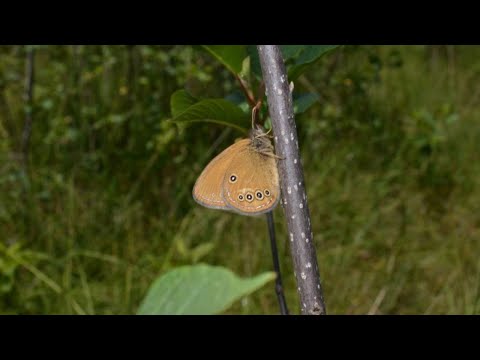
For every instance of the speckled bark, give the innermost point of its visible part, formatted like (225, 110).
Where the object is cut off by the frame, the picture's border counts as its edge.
(292, 182)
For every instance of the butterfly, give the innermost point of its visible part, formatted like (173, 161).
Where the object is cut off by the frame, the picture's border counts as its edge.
(243, 178)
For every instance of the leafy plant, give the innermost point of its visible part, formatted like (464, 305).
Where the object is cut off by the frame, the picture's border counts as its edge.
(242, 61)
(198, 290)
(214, 289)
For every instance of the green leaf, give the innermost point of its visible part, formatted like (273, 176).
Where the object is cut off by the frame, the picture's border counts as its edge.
(198, 290)
(231, 56)
(309, 55)
(290, 51)
(312, 53)
(255, 67)
(302, 57)
(237, 97)
(303, 102)
(201, 251)
(245, 73)
(180, 101)
(218, 111)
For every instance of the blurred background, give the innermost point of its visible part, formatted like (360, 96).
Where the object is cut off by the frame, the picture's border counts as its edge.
(95, 184)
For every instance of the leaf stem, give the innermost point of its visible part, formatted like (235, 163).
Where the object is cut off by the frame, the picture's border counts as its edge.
(276, 265)
(246, 91)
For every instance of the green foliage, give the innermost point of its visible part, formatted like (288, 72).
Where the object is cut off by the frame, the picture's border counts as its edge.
(298, 58)
(8, 267)
(291, 51)
(231, 56)
(180, 101)
(389, 149)
(307, 55)
(185, 109)
(303, 102)
(255, 66)
(234, 57)
(198, 290)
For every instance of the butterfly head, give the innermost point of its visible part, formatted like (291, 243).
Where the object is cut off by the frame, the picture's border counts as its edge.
(261, 140)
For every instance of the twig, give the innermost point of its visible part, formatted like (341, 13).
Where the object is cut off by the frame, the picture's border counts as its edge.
(276, 265)
(292, 180)
(247, 92)
(261, 91)
(260, 96)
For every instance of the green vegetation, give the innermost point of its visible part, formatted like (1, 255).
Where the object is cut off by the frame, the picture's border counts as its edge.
(198, 290)
(390, 152)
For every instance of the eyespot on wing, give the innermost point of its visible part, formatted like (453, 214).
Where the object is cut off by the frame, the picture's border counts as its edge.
(254, 173)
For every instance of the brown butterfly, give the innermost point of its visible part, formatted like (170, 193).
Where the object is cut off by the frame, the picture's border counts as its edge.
(243, 178)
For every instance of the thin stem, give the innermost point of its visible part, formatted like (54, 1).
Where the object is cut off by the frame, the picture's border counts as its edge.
(28, 97)
(261, 91)
(260, 96)
(276, 266)
(246, 91)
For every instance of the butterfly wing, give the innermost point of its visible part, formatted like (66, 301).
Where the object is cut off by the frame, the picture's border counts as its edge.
(251, 186)
(207, 190)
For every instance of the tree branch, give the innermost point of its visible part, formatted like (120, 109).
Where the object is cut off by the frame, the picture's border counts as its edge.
(292, 181)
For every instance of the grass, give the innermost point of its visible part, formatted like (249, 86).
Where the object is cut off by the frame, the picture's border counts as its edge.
(392, 176)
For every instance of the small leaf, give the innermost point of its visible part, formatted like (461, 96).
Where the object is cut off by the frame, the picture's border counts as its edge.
(291, 51)
(198, 290)
(245, 67)
(181, 247)
(255, 66)
(303, 102)
(307, 57)
(312, 53)
(201, 251)
(180, 101)
(302, 56)
(268, 123)
(231, 56)
(219, 111)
